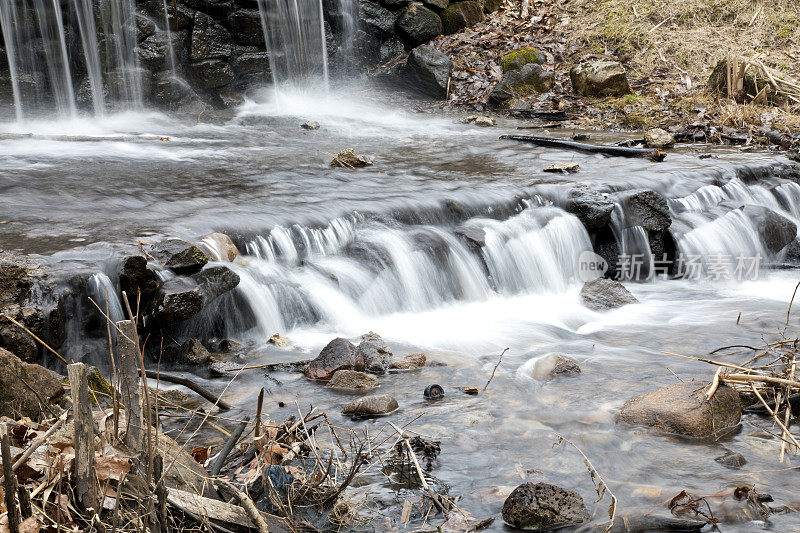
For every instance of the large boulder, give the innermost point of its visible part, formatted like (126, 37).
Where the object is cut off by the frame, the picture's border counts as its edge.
(210, 40)
(603, 294)
(139, 281)
(599, 79)
(542, 506)
(375, 352)
(246, 27)
(339, 354)
(179, 256)
(591, 207)
(645, 208)
(410, 361)
(153, 52)
(353, 381)
(210, 74)
(428, 71)
(776, 230)
(181, 298)
(682, 409)
(529, 79)
(376, 405)
(460, 15)
(418, 25)
(24, 386)
(251, 68)
(377, 20)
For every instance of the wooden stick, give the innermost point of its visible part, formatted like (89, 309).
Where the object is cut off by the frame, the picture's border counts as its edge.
(191, 385)
(761, 379)
(709, 361)
(618, 151)
(129, 383)
(229, 444)
(38, 442)
(248, 505)
(714, 384)
(85, 489)
(10, 484)
(774, 417)
(29, 332)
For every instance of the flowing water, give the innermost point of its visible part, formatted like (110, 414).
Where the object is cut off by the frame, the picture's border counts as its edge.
(332, 252)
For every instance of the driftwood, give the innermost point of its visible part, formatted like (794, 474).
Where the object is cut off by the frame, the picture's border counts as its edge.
(229, 444)
(209, 509)
(85, 480)
(617, 151)
(10, 482)
(129, 382)
(191, 385)
(247, 503)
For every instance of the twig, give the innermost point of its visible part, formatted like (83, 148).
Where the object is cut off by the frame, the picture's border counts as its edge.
(495, 369)
(38, 442)
(248, 505)
(152, 374)
(29, 332)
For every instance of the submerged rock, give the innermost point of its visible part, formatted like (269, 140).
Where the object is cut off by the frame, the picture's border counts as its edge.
(348, 158)
(310, 125)
(428, 71)
(592, 208)
(603, 294)
(375, 353)
(542, 506)
(551, 366)
(351, 380)
(379, 404)
(776, 231)
(658, 138)
(682, 409)
(23, 386)
(339, 354)
(193, 352)
(179, 256)
(599, 79)
(410, 361)
(731, 459)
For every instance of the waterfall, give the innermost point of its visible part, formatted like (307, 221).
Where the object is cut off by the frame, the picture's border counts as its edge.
(41, 68)
(170, 49)
(294, 32)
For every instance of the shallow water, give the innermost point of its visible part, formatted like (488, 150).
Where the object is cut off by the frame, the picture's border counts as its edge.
(256, 174)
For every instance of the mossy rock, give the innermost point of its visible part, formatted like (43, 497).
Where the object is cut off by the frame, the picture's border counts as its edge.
(461, 15)
(519, 58)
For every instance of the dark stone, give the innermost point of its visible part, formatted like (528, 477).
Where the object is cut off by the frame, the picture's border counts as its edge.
(530, 79)
(246, 27)
(24, 386)
(154, 51)
(210, 40)
(791, 252)
(604, 294)
(180, 256)
(339, 354)
(427, 71)
(145, 27)
(490, 6)
(377, 20)
(645, 208)
(395, 4)
(460, 15)
(172, 92)
(599, 79)
(390, 49)
(138, 281)
(473, 236)
(776, 231)
(542, 506)
(181, 298)
(418, 24)
(565, 366)
(212, 73)
(215, 281)
(591, 207)
(194, 353)
(605, 245)
(374, 352)
(682, 409)
(436, 4)
(353, 381)
(376, 405)
(732, 459)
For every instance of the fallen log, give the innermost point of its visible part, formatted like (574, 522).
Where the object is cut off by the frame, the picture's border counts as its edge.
(617, 151)
(191, 385)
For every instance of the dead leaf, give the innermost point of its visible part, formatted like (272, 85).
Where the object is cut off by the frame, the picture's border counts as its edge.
(201, 454)
(30, 525)
(112, 466)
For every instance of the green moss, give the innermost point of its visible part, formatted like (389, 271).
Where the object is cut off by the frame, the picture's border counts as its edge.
(519, 58)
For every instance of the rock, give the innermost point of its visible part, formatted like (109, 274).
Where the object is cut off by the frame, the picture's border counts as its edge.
(551, 366)
(438, 5)
(219, 246)
(181, 298)
(542, 506)
(474, 236)
(153, 52)
(339, 354)
(562, 168)
(645, 208)
(379, 404)
(375, 352)
(599, 79)
(352, 380)
(418, 24)
(718, 80)
(210, 40)
(592, 208)
(172, 92)
(139, 281)
(564, 366)
(19, 380)
(310, 125)
(348, 158)
(212, 74)
(193, 352)
(179, 256)
(604, 294)
(529, 79)
(460, 15)
(410, 361)
(731, 459)
(251, 68)
(484, 122)
(279, 341)
(682, 409)
(428, 71)
(246, 27)
(378, 20)
(490, 6)
(519, 58)
(145, 27)
(390, 49)
(776, 231)
(658, 138)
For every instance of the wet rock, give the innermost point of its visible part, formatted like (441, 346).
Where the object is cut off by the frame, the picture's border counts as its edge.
(251, 68)
(519, 58)
(194, 353)
(474, 236)
(378, 404)
(179, 256)
(212, 74)
(390, 49)
(172, 92)
(731, 459)
(460, 15)
(219, 246)
(153, 52)
(427, 71)
(776, 231)
(348, 158)
(209, 39)
(529, 79)
(375, 352)
(418, 24)
(682, 409)
(564, 366)
(599, 79)
(410, 361)
(19, 380)
(139, 281)
(654, 522)
(215, 281)
(658, 138)
(646, 208)
(483, 122)
(351, 380)
(145, 27)
(279, 341)
(378, 20)
(542, 506)
(310, 125)
(604, 294)
(246, 28)
(339, 354)
(562, 168)
(551, 366)
(181, 298)
(592, 208)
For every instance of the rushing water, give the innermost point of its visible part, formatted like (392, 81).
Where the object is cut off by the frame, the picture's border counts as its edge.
(329, 252)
